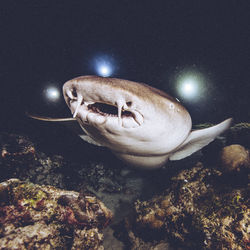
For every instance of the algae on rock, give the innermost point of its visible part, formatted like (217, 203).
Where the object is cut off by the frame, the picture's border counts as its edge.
(44, 217)
(199, 211)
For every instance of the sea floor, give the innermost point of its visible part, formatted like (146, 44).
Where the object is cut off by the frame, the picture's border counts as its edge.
(135, 196)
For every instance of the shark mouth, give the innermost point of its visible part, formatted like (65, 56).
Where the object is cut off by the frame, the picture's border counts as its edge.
(88, 111)
(107, 110)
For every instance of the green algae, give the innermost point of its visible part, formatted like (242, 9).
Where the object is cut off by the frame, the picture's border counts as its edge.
(29, 194)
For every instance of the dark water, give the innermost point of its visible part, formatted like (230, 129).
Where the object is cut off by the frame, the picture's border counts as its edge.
(47, 43)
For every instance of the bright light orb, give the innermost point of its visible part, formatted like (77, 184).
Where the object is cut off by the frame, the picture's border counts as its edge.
(52, 93)
(191, 85)
(104, 70)
(104, 65)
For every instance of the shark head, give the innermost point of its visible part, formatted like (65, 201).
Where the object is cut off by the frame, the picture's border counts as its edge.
(133, 119)
(141, 125)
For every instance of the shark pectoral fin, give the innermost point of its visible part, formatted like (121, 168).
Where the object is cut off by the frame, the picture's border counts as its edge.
(89, 140)
(199, 139)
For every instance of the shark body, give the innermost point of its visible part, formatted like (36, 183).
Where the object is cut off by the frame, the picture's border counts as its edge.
(141, 125)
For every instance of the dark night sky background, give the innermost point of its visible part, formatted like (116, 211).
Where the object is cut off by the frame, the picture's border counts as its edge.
(45, 42)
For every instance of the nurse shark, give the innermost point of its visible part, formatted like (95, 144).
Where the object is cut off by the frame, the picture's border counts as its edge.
(141, 125)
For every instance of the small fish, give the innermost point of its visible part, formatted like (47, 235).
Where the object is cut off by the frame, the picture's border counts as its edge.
(141, 125)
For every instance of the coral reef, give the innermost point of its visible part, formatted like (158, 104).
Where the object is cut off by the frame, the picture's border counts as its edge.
(201, 202)
(44, 217)
(21, 159)
(201, 210)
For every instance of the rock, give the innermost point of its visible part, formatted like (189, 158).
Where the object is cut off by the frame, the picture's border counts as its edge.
(234, 157)
(87, 239)
(202, 207)
(38, 236)
(44, 217)
(199, 211)
(20, 158)
(16, 147)
(139, 244)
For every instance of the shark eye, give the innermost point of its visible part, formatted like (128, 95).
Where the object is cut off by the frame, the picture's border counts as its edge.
(171, 106)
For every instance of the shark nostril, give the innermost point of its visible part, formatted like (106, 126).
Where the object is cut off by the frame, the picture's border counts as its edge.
(73, 92)
(68, 94)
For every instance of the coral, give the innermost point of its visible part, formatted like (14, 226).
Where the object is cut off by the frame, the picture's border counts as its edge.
(198, 211)
(44, 217)
(37, 236)
(86, 210)
(89, 238)
(16, 147)
(21, 158)
(203, 207)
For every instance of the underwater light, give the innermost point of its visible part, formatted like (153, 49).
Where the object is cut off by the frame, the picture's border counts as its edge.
(104, 65)
(191, 85)
(52, 93)
(104, 70)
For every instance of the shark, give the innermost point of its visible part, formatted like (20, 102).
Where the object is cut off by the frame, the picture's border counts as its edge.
(143, 126)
